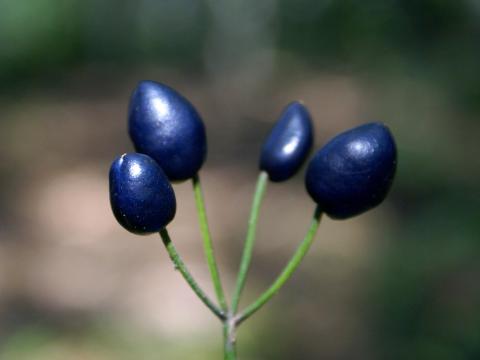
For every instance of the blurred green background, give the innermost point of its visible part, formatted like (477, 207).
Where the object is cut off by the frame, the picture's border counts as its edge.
(400, 282)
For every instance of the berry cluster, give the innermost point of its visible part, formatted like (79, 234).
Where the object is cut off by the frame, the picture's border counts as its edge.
(349, 175)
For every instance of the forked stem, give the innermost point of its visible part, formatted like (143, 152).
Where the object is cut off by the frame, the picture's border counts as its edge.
(287, 272)
(207, 243)
(180, 266)
(250, 239)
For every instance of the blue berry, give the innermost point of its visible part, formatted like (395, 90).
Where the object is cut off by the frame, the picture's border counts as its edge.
(166, 126)
(354, 171)
(288, 144)
(141, 196)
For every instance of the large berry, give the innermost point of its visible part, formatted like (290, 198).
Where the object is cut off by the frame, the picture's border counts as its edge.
(288, 144)
(166, 126)
(141, 196)
(354, 171)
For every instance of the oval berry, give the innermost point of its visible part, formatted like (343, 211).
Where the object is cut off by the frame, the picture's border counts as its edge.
(166, 126)
(288, 144)
(354, 171)
(141, 196)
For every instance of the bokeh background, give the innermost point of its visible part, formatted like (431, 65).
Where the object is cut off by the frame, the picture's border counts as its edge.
(400, 282)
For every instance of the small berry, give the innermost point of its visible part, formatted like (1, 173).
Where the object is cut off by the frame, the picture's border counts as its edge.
(288, 143)
(354, 171)
(141, 196)
(166, 126)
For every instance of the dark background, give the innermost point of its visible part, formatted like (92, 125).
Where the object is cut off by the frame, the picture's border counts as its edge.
(400, 282)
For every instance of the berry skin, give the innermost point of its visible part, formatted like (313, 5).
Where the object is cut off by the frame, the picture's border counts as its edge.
(141, 196)
(288, 144)
(166, 126)
(353, 172)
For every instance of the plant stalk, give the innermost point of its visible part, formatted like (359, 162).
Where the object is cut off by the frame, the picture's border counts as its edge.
(207, 243)
(180, 266)
(229, 338)
(287, 272)
(250, 239)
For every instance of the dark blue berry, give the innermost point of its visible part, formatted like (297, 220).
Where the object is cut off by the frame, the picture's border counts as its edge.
(164, 125)
(288, 144)
(141, 196)
(353, 172)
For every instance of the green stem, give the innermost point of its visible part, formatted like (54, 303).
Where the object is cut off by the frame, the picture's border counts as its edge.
(250, 239)
(287, 271)
(207, 243)
(229, 340)
(179, 265)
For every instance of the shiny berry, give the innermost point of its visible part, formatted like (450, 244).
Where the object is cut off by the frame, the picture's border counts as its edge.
(354, 171)
(288, 143)
(166, 126)
(141, 196)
